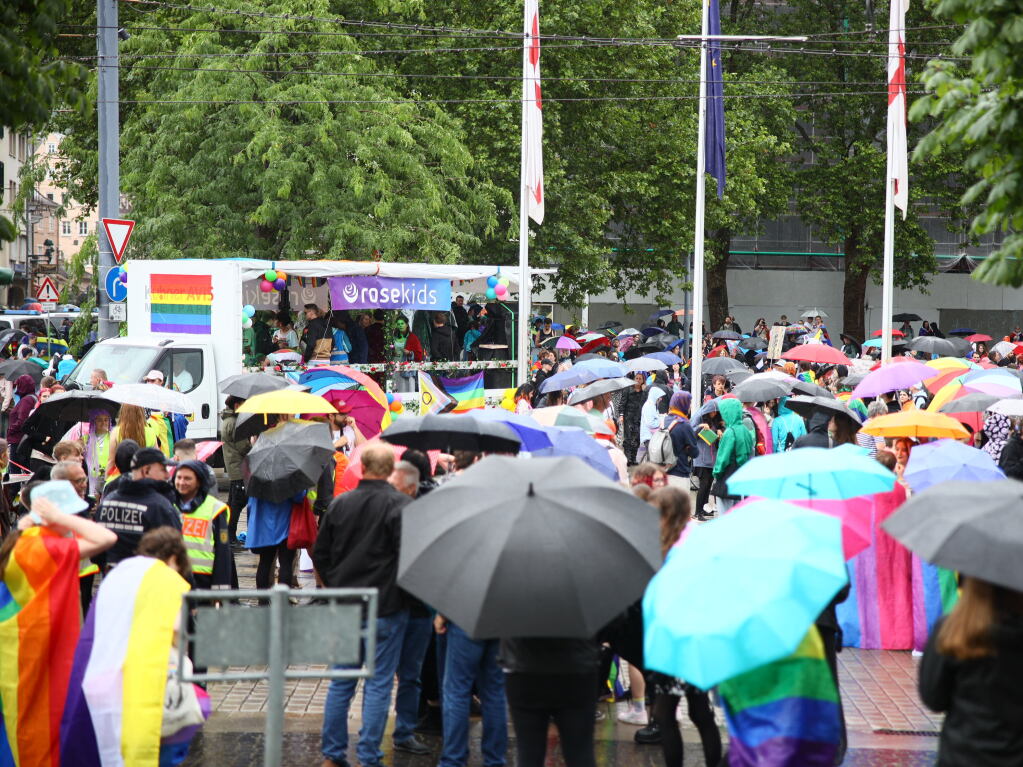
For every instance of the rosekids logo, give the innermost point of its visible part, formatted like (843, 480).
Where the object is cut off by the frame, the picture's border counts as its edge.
(389, 293)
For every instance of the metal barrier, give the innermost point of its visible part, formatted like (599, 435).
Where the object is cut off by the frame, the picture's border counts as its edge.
(338, 629)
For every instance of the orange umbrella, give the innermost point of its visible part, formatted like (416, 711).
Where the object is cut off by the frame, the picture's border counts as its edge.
(915, 423)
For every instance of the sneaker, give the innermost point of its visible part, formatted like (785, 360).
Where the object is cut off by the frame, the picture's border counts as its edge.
(599, 715)
(649, 735)
(413, 746)
(633, 716)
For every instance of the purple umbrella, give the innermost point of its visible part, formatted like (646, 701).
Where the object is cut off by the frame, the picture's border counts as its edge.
(892, 377)
(567, 343)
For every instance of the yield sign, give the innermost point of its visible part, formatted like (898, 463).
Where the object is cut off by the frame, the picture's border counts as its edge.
(118, 231)
(48, 293)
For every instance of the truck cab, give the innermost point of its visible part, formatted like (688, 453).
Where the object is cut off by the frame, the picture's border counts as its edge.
(188, 366)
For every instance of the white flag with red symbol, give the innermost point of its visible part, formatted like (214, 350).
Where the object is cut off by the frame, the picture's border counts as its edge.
(898, 160)
(532, 115)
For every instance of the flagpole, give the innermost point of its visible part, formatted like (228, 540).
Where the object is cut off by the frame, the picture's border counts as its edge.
(696, 336)
(889, 266)
(525, 278)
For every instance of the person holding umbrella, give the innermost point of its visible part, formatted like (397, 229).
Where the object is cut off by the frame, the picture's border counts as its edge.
(235, 451)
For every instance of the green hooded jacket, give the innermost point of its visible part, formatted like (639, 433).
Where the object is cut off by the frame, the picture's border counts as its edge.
(736, 441)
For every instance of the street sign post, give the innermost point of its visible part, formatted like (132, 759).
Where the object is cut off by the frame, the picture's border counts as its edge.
(118, 232)
(48, 295)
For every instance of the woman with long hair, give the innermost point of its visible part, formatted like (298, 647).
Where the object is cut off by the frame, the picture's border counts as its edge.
(675, 510)
(132, 424)
(971, 670)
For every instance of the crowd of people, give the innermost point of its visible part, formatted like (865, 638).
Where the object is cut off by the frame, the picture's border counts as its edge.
(122, 490)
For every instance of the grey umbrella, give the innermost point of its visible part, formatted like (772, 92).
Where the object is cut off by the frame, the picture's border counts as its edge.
(539, 548)
(811, 389)
(453, 432)
(595, 389)
(754, 342)
(12, 370)
(721, 366)
(961, 346)
(977, 402)
(726, 335)
(245, 385)
(738, 376)
(760, 389)
(932, 345)
(286, 459)
(970, 527)
(804, 406)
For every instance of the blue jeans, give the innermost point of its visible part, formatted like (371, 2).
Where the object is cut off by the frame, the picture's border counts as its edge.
(410, 666)
(376, 699)
(471, 661)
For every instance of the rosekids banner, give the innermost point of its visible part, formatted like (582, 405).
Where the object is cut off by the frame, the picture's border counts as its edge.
(389, 293)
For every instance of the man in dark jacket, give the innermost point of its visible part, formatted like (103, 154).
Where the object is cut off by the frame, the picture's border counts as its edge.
(235, 451)
(357, 546)
(816, 431)
(142, 502)
(442, 340)
(316, 328)
(461, 318)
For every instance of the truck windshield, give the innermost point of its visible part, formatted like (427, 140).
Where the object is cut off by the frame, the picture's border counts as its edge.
(120, 364)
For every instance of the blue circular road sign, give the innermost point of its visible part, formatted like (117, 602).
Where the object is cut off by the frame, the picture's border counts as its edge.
(116, 290)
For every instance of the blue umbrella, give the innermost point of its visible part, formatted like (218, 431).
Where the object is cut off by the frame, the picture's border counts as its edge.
(945, 459)
(741, 591)
(653, 331)
(569, 440)
(534, 436)
(812, 472)
(676, 345)
(666, 357)
(557, 326)
(584, 372)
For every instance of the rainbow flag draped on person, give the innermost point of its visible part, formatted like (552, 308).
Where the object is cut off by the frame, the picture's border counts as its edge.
(935, 593)
(115, 697)
(467, 392)
(784, 713)
(39, 622)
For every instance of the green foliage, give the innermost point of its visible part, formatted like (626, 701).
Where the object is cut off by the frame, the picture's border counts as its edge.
(82, 271)
(32, 81)
(978, 113)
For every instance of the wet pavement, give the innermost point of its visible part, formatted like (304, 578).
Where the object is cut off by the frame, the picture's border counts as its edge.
(888, 726)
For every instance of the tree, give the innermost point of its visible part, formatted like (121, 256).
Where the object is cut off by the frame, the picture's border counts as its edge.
(32, 80)
(978, 114)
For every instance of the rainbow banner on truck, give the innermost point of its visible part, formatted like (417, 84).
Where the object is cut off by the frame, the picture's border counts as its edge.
(181, 303)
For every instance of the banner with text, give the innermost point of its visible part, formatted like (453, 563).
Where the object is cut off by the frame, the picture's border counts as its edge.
(389, 293)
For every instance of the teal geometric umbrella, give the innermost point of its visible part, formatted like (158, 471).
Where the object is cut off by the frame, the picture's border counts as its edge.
(741, 591)
(812, 472)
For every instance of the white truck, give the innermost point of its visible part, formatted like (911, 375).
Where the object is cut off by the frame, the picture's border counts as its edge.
(185, 315)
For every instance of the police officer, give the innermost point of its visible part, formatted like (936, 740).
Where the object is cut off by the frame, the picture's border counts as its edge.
(204, 525)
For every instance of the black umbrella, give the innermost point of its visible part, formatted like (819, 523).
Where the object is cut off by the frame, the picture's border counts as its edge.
(74, 406)
(609, 324)
(850, 338)
(452, 432)
(760, 388)
(977, 402)
(811, 389)
(250, 425)
(906, 317)
(943, 347)
(287, 459)
(726, 335)
(973, 528)
(12, 370)
(754, 342)
(589, 356)
(738, 376)
(852, 379)
(595, 389)
(539, 548)
(721, 366)
(660, 342)
(246, 385)
(806, 406)
(9, 335)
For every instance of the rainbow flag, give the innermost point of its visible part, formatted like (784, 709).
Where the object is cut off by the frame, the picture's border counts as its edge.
(432, 397)
(39, 622)
(467, 392)
(784, 713)
(115, 696)
(935, 593)
(181, 303)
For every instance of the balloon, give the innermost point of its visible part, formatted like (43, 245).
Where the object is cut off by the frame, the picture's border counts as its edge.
(491, 281)
(390, 398)
(269, 275)
(281, 275)
(247, 323)
(501, 290)
(491, 294)
(396, 406)
(249, 310)
(123, 277)
(281, 284)
(265, 286)
(506, 281)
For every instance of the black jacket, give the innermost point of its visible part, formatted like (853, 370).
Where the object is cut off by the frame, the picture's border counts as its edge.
(358, 542)
(543, 655)
(816, 431)
(1011, 461)
(137, 505)
(683, 441)
(981, 699)
(314, 331)
(442, 343)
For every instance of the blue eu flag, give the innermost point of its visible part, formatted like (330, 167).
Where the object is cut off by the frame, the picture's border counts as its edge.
(715, 144)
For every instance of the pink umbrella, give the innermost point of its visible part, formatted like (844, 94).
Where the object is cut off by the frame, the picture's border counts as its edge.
(856, 515)
(567, 344)
(892, 378)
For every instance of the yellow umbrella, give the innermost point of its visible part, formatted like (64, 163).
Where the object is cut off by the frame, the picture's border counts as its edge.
(287, 402)
(945, 394)
(915, 423)
(945, 364)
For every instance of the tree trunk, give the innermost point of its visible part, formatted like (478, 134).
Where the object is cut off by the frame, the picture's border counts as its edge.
(854, 291)
(717, 278)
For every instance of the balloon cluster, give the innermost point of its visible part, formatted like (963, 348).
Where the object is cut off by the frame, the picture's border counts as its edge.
(273, 279)
(248, 312)
(394, 404)
(497, 287)
(122, 274)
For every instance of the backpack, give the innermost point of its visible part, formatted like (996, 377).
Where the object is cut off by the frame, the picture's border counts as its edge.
(660, 449)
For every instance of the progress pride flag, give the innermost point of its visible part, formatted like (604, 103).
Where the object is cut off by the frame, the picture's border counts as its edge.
(389, 293)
